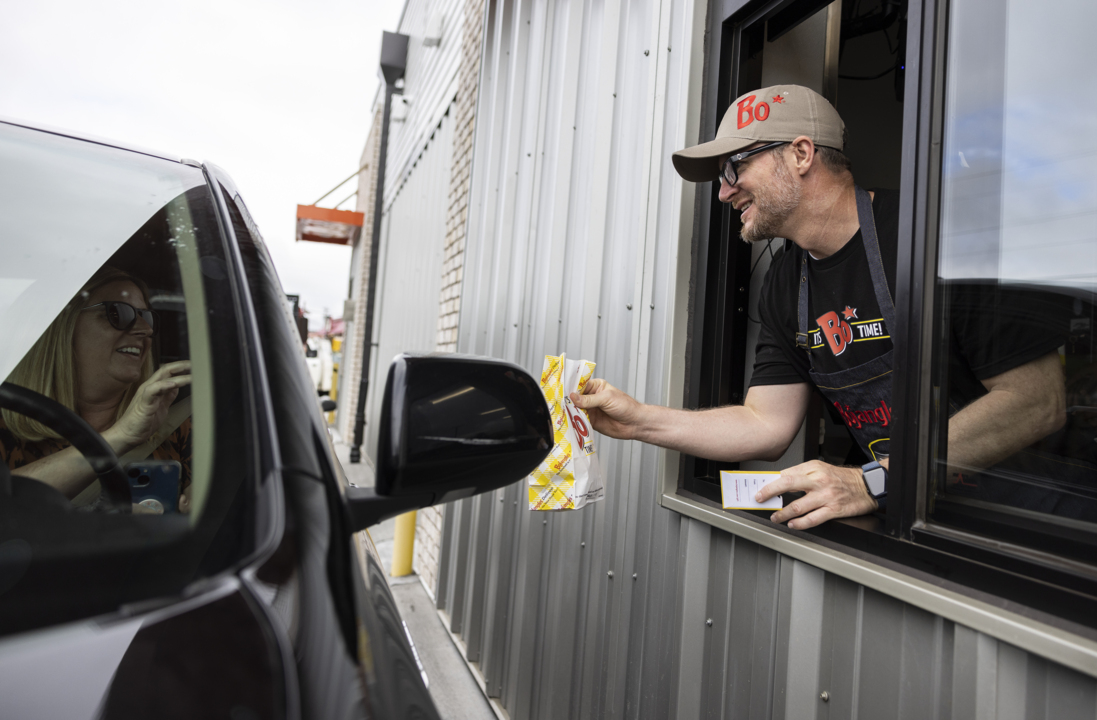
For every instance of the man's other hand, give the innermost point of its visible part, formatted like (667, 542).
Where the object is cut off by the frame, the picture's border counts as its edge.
(611, 411)
(831, 492)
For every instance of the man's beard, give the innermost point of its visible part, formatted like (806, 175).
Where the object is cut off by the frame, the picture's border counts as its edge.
(772, 205)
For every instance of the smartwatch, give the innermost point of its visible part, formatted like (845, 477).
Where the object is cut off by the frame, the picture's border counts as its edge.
(876, 476)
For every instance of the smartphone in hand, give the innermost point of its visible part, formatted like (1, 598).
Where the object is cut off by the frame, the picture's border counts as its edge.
(154, 484)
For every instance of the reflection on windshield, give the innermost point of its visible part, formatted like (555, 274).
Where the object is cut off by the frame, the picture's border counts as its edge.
(67, 206)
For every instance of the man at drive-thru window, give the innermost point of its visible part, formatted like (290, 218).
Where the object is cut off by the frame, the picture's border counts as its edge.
(827, 313)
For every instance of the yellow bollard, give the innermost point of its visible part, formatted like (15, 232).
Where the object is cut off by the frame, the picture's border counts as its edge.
(403, 544)
(334, 392)
(336, 346)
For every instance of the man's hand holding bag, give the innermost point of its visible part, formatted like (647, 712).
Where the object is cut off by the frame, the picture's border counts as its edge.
(570, 476)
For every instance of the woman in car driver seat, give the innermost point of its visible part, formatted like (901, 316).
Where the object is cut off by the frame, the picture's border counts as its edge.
(95, 358)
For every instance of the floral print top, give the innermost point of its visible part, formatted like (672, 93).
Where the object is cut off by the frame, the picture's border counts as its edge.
(16, 452)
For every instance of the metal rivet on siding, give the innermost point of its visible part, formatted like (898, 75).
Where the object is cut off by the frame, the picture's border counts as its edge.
(609, 573)
(501, 499)
(668, 49)
(740, 309)
(629, 306)
(544, 522)
(515, 502)
(515, 324)
(599, 316)
(742, 289)
(824, 696)
(614, 94)
(634, 576)
(645, 53)
(653, 306)
(708, 622)
(582, 544)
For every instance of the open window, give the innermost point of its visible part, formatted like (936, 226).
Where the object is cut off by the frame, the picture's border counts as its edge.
(853, 53)
(988, 145)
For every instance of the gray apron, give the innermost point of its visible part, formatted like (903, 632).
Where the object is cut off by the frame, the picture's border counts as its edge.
(861, 394)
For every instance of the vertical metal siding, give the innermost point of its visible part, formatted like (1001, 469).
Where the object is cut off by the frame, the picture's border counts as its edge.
(410, 265)
(625, 609)
(429, 85)
(415, 196)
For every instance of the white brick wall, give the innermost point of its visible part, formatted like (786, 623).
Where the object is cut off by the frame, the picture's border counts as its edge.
(428, 543)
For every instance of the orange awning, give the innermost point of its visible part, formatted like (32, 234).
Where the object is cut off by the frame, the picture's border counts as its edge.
(338, 227)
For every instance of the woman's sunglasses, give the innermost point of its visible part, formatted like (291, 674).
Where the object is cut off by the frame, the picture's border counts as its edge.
(123, 316)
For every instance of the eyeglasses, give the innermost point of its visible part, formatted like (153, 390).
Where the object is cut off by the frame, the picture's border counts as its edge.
(123, 316)
(730, 172)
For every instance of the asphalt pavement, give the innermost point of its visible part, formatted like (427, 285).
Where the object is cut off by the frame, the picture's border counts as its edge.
(455, 691)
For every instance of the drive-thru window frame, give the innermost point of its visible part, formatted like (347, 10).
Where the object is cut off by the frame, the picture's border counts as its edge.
(1031, 596)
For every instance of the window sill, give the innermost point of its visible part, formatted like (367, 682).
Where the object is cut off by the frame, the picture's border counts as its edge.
(1037, 632)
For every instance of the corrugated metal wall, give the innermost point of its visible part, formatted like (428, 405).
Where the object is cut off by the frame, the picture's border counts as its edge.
(430, 83)
(409, 266)
(625, 609)
(416, 186)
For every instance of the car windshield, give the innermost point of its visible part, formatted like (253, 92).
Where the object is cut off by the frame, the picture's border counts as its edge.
(113, 267)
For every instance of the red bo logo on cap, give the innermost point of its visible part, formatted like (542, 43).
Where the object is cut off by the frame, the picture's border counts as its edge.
(749, 112)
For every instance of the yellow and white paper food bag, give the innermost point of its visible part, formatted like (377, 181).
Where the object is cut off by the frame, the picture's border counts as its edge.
(570, 476)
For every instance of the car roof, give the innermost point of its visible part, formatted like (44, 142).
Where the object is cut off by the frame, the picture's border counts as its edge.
(93, 139)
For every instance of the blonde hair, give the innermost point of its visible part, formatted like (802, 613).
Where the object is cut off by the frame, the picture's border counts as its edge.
(48, 367)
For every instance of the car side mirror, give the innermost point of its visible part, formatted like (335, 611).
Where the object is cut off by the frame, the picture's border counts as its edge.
(452, 426)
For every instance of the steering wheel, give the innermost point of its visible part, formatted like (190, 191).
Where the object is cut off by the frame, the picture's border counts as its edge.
(75, 430)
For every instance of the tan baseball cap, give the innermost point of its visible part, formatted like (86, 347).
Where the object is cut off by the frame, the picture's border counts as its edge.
(781, 112)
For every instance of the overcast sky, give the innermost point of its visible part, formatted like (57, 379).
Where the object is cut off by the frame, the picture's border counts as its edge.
(276, 93)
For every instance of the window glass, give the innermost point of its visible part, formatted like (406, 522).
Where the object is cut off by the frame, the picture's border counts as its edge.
(113, 270)
(1015, 371)
(86, 205)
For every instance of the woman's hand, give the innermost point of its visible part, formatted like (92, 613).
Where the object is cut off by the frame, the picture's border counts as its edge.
(149, 408)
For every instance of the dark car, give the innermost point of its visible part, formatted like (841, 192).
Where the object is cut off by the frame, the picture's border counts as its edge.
(215, 568)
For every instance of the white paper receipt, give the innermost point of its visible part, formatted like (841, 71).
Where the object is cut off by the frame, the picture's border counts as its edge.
(738, 489)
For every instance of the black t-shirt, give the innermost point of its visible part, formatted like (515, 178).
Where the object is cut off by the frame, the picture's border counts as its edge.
(993, 328)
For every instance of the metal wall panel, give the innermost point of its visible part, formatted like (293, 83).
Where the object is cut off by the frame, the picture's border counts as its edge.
(415, 192)
(409, 266)
(429, 86)
(626, 609)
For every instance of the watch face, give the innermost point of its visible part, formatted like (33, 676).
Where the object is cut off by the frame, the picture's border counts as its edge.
(876, 479)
